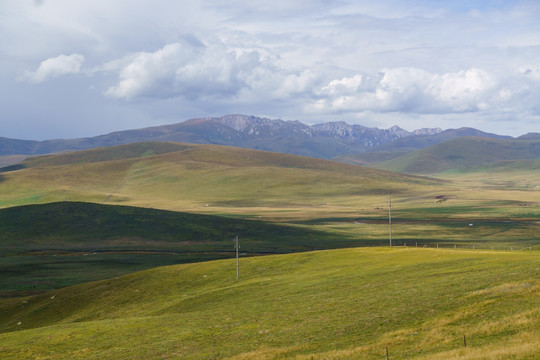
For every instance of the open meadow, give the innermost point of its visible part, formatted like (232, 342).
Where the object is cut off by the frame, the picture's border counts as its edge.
(76, 229)
(275, 203)
(270, 180)
(335, 304)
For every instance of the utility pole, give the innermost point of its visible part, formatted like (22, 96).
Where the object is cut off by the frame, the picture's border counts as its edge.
(237, 246)
(390, 218)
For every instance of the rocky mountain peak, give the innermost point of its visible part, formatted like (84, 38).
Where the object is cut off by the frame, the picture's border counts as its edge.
(250, 125)
(242, 122)
(337, 128)
(324, 140)
(427, 131)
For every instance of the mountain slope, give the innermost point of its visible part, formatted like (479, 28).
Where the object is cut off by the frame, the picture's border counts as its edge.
(321, 140)
(416, 142)
(465, 154)
(326, 140)
(353, 304)
(193, 175)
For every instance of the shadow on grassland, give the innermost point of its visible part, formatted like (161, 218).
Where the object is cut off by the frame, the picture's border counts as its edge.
(12, 168)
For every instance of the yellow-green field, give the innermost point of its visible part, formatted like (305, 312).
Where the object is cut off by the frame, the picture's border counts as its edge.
(337, 304)
(470, 270)
(278, 187)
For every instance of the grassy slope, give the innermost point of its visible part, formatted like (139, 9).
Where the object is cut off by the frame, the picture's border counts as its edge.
(194, 176)
(95, 227)
(283, 188)
(323, 305)
(59, 244)
(464, 154)
(368, 158)
(184, 177)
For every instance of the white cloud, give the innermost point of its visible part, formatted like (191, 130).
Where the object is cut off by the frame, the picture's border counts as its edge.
(383, 62)
(211, 71)
(180, 69)
(344, 85)
(463, 91)
(55, 67)
(409, 90)
(293, 84)
(148, 71)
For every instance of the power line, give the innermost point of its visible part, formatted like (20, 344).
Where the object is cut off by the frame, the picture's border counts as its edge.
(390, 218)
(237, 246)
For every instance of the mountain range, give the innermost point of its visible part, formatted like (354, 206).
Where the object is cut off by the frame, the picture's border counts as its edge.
(325, 140)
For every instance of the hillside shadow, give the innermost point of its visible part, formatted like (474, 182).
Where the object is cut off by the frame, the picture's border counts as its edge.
(2, 178)
(12, 168)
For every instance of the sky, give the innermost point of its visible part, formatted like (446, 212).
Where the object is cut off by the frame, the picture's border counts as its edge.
(88, 67)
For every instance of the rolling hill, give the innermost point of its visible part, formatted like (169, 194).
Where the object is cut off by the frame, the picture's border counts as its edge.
(280, 188)
(60, 238)
(180, 176)
(295, 203)
(468, 154)
(58, 244)
(353, 304)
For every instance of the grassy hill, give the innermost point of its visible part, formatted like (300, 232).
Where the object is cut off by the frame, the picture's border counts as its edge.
(180, 176)
(279, 188)
(297, 203)
(352, 303)
(54, 245)
(66, 241)
(369, 158)
(348, 303)
(465, 154)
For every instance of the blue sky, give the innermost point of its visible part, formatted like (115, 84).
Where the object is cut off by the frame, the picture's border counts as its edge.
(83, 68)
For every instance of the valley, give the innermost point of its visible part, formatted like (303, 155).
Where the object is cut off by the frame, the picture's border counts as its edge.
(285, 180)
(136, 241)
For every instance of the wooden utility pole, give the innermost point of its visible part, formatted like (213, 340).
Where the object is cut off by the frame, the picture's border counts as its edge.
(390, 218)
(237, 246)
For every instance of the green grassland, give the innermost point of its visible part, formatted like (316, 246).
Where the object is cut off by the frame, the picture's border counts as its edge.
(335, 304)
(194, 176)
(59, 244)
(105, 213)
(368, 158)
(223, 180)
(276, 203)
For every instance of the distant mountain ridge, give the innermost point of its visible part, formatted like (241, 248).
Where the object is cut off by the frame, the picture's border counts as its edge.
(324, 140)
(420, 141)
(466, 154)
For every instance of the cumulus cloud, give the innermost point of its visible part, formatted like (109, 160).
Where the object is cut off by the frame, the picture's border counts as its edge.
(147, 71)
(179, 69)
(344, 85)
(389, 61)
(55, 67)
(216, 73)
(409, 90)
(201, 71)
